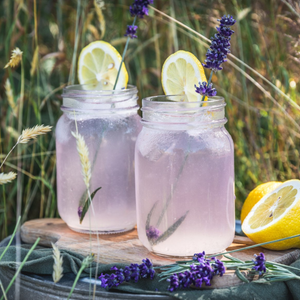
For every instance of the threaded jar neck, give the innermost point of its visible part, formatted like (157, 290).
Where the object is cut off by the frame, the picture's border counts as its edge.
(82, 98)
(177, 113)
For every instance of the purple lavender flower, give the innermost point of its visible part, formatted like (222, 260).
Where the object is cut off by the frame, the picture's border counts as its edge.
(220, 45)
(146, 269)
(139, 8)
(205, 90)
(200, 257)
(133, 272)
(131, 31)
(174, 283)
(152, 233)
(199, 273)
(260, 263)
(219, 268)
(227, 21)
(79, 211)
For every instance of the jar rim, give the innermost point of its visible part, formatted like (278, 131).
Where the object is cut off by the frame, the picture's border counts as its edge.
(178, 101)
(174, 110)
(88, 90)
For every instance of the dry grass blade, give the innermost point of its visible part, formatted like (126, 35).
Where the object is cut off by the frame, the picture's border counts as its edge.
(32, 133)
(98, 7)
(83, 152)
(16, 57)
(3, 291)
(6, 178)
(58, 264)
(35, 60)
(10, 96)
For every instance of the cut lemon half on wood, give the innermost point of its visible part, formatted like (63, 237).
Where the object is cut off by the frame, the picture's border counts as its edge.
(276, 216)
(98, 65)
(180, 72)
(256, 194)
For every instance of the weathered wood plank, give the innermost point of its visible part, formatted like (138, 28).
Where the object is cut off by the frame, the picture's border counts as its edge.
(126, 247)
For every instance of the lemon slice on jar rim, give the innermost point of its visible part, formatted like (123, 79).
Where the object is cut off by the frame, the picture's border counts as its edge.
(180, 72)
(276, 216)
(98, 66)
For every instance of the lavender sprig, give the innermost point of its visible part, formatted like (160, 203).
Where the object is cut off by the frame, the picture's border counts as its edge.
(134, 272)
(259, 263)
(138, 9)
(203, 270)
(217, 54)
(196, 274)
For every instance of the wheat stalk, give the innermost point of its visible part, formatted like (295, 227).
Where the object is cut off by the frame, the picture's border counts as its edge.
(27, 135)
(10, 96)
(58, 264)
(15, 59)
(32, 133)
(83, 152)
(5, 178)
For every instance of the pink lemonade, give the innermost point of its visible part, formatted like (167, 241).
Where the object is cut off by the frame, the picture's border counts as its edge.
(185, 178)
(110, 134)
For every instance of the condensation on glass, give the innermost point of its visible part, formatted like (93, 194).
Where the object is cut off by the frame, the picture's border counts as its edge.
(184, 177)
(109, 124)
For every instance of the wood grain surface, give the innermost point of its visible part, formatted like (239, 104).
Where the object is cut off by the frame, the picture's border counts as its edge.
(126, 247)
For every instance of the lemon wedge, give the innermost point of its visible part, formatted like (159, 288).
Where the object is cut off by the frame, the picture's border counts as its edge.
(98, 65)
(180, 72)
(256, 194)
(276, 216)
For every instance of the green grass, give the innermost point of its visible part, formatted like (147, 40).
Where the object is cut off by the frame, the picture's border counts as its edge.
(263, 123)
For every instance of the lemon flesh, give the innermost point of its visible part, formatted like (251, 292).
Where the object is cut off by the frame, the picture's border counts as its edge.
(180, 72)
(276, 216)
(255, 195)
(98, 65)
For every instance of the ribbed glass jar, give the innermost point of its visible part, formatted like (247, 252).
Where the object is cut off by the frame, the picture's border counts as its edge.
(109, 123)
(184, 177)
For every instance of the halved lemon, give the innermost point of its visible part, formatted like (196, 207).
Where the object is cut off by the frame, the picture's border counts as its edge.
(256, 194)
(276, 216)
(98, 65)
(180, 72)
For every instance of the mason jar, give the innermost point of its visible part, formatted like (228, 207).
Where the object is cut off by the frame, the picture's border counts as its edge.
(109, 124)
(184, 165)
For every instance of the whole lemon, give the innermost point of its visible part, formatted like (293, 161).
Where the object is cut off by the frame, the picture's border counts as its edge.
(256, 194)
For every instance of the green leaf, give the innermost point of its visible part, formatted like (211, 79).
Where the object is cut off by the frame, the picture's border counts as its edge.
(83, 198)
(170, 230)
(149, 215)
(87, 204)
(241, 276)
(233, 258)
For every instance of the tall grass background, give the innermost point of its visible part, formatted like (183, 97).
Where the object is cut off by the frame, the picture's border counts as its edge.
(262, 102)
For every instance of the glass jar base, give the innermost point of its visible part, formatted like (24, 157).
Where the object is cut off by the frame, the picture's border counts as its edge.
(101, 231)
(185, 257)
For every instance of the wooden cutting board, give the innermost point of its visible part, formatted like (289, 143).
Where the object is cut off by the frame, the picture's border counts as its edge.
(126, 247)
